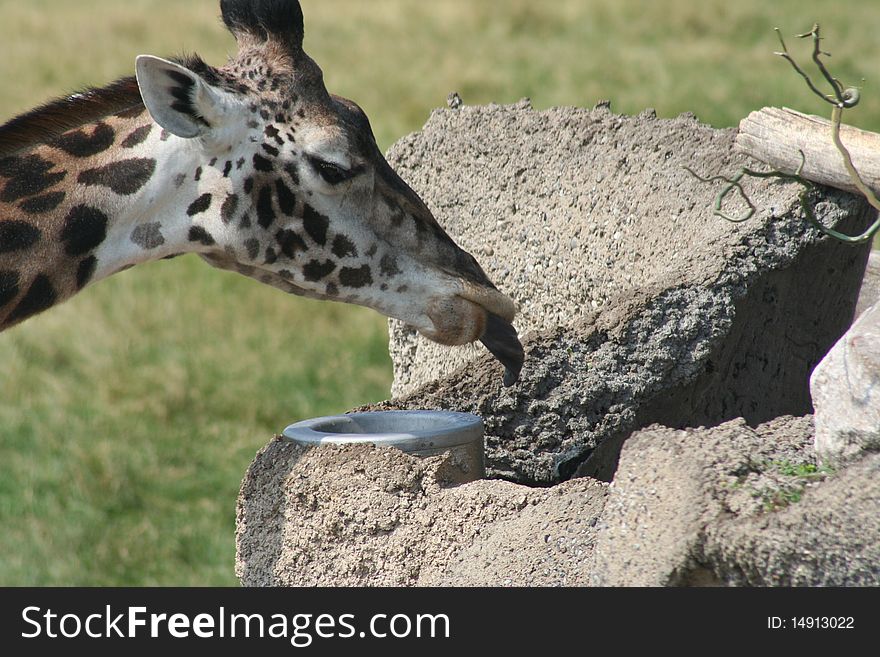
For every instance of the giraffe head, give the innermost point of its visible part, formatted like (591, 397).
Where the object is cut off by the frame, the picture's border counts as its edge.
(293, 190)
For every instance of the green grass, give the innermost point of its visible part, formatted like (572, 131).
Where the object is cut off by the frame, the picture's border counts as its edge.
(128, 418)
(128, 415)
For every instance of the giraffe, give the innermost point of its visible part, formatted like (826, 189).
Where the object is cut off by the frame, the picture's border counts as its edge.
(255, 167)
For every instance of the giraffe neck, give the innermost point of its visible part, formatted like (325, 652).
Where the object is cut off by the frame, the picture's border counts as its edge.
(95, 201)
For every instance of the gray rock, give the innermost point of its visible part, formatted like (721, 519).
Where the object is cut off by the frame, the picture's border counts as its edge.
(846, 392)
(638, 306)
(362, 516)
(870, 292)
(735, 505)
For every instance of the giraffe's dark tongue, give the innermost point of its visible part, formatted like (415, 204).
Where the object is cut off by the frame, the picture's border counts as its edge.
(500, 338)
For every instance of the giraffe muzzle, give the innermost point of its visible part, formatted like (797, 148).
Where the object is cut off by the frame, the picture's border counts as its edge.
(478, 313)
(499, 336)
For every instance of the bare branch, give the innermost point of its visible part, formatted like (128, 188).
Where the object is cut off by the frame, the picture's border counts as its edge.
(784, 54)
(842, 99)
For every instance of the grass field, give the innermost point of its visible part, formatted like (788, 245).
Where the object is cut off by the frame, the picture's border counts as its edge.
(128, 416)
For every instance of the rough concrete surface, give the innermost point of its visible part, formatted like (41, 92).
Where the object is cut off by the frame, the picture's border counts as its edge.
(735, 505)
(358, 516)
(638, 305)
(730, 505)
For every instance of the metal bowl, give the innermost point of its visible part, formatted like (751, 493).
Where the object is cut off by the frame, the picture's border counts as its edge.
(421, 433)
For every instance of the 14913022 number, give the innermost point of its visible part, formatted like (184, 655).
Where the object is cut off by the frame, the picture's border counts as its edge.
(823, 622)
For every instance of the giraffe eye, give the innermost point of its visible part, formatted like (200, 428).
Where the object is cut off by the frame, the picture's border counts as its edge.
(333, 174)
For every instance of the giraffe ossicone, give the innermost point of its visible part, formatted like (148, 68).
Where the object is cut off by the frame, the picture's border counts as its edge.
(254, 166)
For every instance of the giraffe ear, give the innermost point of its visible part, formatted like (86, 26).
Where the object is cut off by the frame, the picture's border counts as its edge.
(179, 100)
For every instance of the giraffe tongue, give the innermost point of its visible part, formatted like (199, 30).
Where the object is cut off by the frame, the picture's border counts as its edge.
(501, 340)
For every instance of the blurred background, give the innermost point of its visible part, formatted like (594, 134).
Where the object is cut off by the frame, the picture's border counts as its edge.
(129, 415)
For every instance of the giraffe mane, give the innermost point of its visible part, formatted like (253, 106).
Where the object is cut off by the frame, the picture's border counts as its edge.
(52, 119)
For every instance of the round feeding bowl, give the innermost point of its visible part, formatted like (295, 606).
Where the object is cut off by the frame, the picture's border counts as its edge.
(421, 433)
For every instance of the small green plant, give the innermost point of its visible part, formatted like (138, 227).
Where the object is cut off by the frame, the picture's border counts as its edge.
(782, 498)
(802, 470)
(791, 491)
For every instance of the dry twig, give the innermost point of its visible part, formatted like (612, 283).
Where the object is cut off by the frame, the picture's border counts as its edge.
(841, 98)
